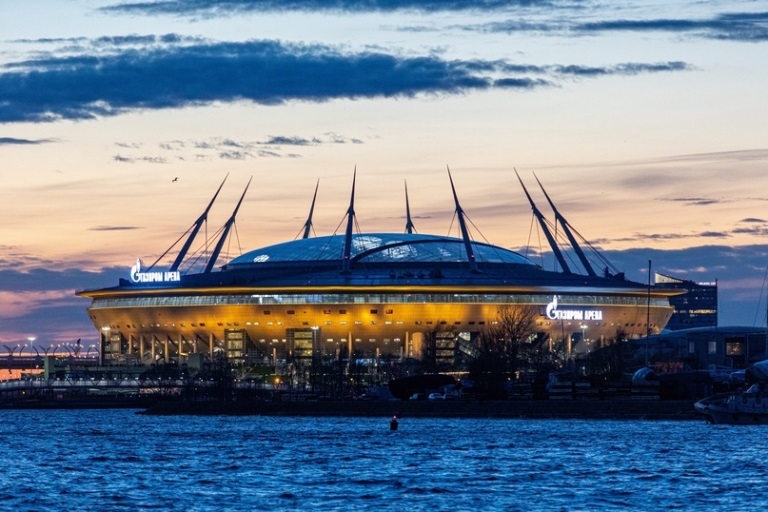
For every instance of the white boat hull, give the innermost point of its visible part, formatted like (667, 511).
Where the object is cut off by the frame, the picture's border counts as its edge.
(735, 409)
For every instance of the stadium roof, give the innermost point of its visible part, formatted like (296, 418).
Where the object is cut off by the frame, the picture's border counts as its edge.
(387, 248)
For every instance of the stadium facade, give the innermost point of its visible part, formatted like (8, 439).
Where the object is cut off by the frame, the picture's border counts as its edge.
(400, 295)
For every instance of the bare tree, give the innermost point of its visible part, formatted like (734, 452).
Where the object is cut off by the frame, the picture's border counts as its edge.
(509, 338)
(506, 346)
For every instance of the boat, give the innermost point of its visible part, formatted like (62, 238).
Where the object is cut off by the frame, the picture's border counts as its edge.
(748, 407)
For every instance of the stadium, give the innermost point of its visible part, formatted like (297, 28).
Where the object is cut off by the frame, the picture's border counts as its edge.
(365, 295)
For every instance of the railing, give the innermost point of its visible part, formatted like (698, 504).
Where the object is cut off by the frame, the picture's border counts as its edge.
(30, 362)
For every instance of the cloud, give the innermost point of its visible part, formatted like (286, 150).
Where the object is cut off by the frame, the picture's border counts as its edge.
(740, 26)
(113, 228)
(291, 141)
(235, 155)
(230, 149)
(23, 142)
(42, 303)
(695, 201)
(210, 8)
(744, 26)
(629, 68)
(145, 159)
(88, 86)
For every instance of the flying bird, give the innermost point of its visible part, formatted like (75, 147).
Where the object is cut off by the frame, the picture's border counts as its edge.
(175, 179)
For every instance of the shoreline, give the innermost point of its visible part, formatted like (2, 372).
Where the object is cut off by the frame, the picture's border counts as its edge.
(533, 409)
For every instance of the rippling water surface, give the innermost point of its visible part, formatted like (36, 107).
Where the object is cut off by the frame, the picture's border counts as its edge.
(118, 460)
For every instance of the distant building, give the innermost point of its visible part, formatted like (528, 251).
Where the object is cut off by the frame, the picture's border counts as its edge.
(695, 308)
(701, 348)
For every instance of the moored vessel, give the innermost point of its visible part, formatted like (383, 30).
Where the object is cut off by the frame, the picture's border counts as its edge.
(748, 407)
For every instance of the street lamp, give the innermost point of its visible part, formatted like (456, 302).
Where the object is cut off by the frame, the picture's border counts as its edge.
(31, 340)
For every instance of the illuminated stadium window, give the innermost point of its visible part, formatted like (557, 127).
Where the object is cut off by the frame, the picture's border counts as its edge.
(342, 323)
(373, 322)
(389, 311)
(372, 340)
(291, 312)
(269, 323)
(247, 323)
(418, 322)
(358, 339)
(397, 340)
(358, 322)
(343, 340)
(328, 323)
(374, 311)
(262, 340)
(279, 323)
(326, 311)
(329, 340)
(388, 322)
(399, 322)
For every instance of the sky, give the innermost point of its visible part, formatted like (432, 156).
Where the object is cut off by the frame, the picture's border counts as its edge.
(644, 121)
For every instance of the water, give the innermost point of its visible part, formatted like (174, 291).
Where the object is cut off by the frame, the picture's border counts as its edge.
(118, 460)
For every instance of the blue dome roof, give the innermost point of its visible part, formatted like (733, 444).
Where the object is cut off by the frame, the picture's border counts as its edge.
(379, 248)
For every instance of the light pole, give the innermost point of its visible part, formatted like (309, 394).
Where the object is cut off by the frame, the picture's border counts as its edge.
(31, 340)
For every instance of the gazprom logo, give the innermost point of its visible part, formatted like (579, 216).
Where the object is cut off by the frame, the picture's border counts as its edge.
(137, 276)
(554, 313)
(551, 307)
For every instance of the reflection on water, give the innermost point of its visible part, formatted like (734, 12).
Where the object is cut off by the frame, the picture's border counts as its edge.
(117, 460)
